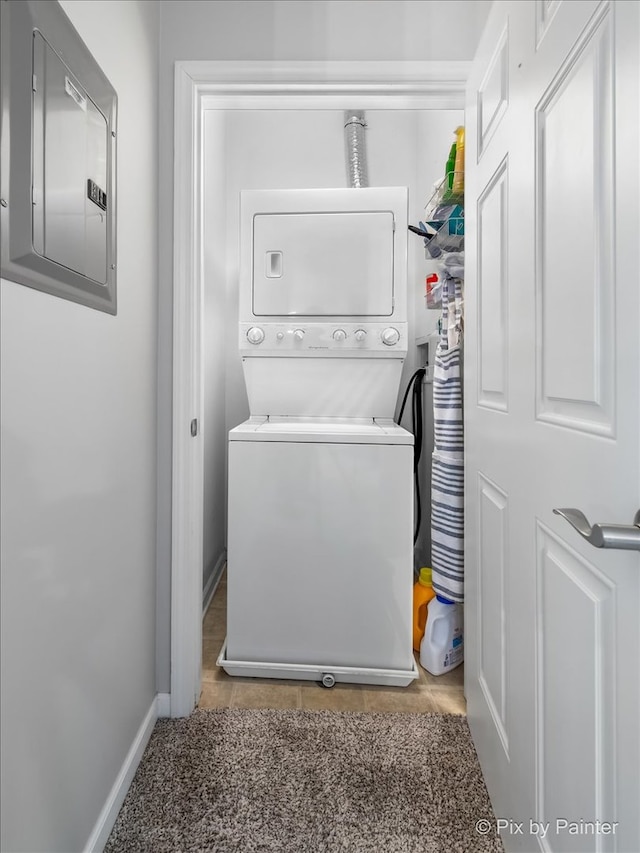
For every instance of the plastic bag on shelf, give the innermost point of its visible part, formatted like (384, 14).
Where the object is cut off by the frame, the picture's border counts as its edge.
(444, 221)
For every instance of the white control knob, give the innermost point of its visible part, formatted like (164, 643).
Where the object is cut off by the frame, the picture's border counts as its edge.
(360, 335)
(339, 335)
(298, 334)
(280, 336)
(255, 335)
(390, 336)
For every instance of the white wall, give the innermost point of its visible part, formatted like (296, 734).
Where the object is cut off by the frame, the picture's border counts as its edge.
(322, 29)
(277, 30)
(215, 342)
(79, 491)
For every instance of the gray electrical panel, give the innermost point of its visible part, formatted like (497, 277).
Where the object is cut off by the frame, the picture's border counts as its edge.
(58, 141)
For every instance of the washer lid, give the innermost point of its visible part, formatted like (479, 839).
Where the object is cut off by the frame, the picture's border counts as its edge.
(322, 430)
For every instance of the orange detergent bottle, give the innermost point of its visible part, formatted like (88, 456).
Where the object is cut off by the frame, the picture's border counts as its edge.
(423, 592)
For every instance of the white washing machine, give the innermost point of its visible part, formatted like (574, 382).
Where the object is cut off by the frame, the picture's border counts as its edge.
(320, 504)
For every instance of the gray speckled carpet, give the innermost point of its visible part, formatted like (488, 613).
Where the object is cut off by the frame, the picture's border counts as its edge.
(298, 781)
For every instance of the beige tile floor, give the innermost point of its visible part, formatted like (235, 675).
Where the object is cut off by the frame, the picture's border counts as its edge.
(443, 694)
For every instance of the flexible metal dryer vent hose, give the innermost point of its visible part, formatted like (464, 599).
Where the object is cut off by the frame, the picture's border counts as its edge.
(354, 126)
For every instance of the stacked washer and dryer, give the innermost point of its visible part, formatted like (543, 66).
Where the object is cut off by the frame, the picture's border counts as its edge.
(320, 512)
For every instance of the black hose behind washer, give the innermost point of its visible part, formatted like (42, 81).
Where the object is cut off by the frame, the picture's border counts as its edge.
(415, 384)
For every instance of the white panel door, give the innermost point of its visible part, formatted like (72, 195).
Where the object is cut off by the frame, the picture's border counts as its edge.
(552, 387)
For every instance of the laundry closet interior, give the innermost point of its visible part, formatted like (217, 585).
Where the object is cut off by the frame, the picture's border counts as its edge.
(247, 150)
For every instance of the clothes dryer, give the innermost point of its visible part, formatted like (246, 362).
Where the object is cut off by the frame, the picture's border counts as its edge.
(320, 504)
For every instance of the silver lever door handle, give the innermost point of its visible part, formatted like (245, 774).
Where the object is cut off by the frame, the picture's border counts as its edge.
(622, 536)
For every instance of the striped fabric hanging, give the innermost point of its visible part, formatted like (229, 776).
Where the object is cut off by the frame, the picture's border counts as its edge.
(447, 470)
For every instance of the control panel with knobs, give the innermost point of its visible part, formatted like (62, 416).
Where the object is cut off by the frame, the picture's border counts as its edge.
(264, 338)
(390, 336)
(255, 335)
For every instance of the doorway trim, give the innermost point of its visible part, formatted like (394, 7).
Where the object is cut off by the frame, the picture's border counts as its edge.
(213, 85)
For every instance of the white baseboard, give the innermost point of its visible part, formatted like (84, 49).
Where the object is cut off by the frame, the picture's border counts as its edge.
(164, 705)
(212, 583)
(109, 813)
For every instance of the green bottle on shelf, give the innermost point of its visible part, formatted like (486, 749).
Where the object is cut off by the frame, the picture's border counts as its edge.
(449, 170)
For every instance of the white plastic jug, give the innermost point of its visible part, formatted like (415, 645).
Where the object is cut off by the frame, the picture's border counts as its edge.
(442, 647)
